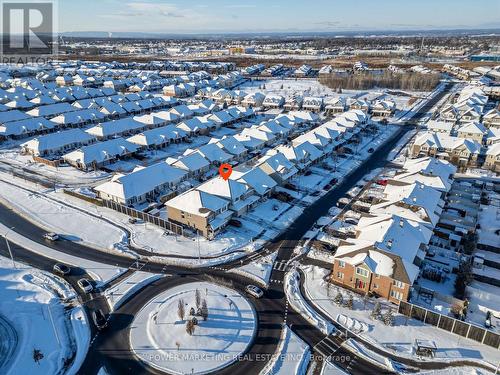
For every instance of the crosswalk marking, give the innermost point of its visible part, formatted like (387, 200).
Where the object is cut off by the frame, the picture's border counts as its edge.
(327, 346)
(280, 266)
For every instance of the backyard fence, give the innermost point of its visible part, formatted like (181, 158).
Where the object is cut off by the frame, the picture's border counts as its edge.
(450, 324)
(158, 221)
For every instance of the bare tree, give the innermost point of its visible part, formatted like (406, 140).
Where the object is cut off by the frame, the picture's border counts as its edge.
(181, 310)
(198, 298)
(190, 327)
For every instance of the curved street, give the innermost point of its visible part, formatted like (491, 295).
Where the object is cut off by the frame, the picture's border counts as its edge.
(111, 349)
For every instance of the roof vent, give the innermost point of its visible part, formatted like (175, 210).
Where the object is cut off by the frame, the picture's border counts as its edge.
(401, 223)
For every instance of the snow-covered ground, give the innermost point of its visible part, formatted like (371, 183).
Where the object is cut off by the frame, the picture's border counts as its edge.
(44, 312)
(120, 292)
(291, 358)
(330, 369)
(259, 270)
(101, 273)
(399, 338)
(158, 335)
(299, 304)
(56, 217)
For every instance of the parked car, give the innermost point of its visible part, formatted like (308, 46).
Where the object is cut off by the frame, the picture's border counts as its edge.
(61, 269)
(235, 223)
(370, 150)
(132, 220)
(99, 319)
(51, 236)
(85, 285)
(254, 291)
(487, 322)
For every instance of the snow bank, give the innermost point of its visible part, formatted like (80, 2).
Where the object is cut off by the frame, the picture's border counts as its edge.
(370, 356)
(299, 304)
(119, 293)
(259, 270)
(292, 356)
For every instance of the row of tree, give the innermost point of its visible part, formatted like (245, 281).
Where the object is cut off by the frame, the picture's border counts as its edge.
(387, 79)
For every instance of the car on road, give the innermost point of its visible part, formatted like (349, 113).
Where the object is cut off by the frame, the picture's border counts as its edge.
(254, 291)
(99, 319)
(85, 285)
(51, 236)
(61, 269)
(370, 150)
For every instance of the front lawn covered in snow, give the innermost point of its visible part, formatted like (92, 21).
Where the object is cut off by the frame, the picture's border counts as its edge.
(159, 336)
(397, 339)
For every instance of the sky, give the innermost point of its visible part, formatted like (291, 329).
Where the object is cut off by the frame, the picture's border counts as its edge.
(187, 16)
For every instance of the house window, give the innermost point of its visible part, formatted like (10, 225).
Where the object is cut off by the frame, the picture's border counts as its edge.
(377, 276)
(375, 286)
(361, 271)
(340, 275)
(397, 295)
(398, 284)
(341, 264)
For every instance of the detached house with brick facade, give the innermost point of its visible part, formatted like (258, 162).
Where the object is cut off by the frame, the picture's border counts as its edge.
(383, 257)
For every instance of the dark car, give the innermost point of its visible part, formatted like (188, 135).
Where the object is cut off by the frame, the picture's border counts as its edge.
(61, 269)
(235, 223)
(370, 150)
(99, 319)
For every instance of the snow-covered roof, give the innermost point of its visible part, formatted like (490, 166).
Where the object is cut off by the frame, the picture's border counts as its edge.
(101, 151)
(198, 203)
(26, 126)
(158, 136)
(116, 127)
(257, 179)
(56, 141)
(142, 181)
(228, 189)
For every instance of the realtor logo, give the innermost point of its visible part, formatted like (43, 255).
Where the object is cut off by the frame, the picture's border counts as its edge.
(27, 30)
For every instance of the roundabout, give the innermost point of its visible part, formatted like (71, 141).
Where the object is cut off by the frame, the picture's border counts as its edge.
(194, 328)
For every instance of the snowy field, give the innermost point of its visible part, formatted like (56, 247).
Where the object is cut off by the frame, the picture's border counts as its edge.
(291, 358)
(397, 339)
(72, 224)
(37, 306)
(158, 335)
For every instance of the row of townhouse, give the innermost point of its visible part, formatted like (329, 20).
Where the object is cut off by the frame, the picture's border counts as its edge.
(108, 129)
(46, 118)
(209, 207)
(145, 134)
(187, 89)
(459, 151)
(471, 130)
(467, 107)
(384, 252)
(194, 163)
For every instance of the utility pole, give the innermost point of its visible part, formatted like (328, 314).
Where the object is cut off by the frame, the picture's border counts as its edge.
(8, 248)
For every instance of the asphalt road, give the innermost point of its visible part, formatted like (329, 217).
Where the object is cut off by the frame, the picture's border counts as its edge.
(111, 347)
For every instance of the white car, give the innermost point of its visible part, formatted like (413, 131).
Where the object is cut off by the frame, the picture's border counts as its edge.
(254, 291)
(51, 236)
(85, 285)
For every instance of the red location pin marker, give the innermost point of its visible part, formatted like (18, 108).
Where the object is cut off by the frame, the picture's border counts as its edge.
(225, 171)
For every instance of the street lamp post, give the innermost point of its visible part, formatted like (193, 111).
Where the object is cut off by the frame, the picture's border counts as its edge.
(8, 247)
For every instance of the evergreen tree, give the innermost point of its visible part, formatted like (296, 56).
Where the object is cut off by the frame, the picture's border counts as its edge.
(376, 311)
(350, 302)
(388, 318)
(338, 298)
